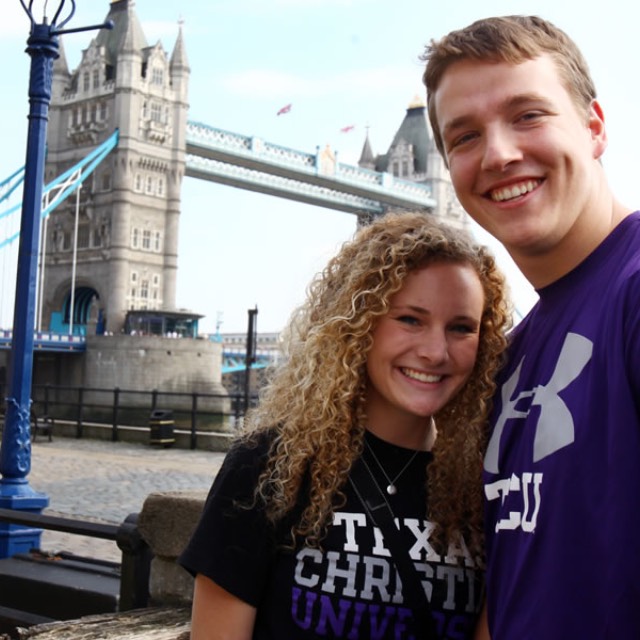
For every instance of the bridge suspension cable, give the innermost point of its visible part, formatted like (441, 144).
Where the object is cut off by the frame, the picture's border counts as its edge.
(54, 193)
(65, 183)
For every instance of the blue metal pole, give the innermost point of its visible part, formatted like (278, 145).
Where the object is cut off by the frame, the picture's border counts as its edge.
(15, 452)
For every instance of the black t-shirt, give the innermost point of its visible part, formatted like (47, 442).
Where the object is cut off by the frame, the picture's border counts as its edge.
(350, 587)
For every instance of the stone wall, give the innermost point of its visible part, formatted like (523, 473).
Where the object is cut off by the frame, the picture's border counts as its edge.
(166, 523)
(181, 365)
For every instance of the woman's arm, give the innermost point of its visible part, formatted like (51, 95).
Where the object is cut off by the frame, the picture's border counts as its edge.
(482, 626)
(219, 615)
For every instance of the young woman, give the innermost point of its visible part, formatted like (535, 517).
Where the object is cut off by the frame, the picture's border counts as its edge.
(380, 406)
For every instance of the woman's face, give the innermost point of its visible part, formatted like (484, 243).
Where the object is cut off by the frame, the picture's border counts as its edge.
(425, 347)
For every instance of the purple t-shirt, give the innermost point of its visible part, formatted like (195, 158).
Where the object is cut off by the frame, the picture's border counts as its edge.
(562, 469)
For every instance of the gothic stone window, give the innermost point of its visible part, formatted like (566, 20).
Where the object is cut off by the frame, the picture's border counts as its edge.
(156, 112)
(157, 76)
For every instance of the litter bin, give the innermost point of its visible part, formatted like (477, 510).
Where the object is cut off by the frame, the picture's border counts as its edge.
(162, 423)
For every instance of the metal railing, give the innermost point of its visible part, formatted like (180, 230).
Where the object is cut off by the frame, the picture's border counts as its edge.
(136, 554)
(195, 413)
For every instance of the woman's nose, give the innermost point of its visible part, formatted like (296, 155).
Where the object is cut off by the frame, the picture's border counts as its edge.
(432, 346)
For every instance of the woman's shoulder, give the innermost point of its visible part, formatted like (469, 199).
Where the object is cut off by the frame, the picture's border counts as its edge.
(250, 451)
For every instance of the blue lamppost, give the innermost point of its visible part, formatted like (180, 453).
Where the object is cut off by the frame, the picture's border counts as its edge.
(15, 452)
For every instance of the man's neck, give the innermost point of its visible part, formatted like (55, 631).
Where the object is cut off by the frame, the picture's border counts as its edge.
(542, 269)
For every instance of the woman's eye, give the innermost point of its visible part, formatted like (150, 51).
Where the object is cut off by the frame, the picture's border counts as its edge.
(408, 320)
(463, 328)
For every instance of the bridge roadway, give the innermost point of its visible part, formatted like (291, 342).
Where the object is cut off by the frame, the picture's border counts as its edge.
(106, 481)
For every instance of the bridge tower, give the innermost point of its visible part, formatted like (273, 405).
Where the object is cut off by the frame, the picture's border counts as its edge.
(413, 155)
(127, 213)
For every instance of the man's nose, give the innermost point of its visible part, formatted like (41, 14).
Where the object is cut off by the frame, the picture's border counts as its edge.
(500, 150)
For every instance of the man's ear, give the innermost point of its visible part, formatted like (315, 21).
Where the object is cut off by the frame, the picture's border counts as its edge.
(597, 128)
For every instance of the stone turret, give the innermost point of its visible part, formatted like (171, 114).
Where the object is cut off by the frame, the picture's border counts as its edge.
(129, 208)
(412, 155)
(367, 159)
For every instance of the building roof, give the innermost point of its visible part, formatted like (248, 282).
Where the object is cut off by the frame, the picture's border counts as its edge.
(366, 157)
(179, 54)
(414, 130)
(127, 31)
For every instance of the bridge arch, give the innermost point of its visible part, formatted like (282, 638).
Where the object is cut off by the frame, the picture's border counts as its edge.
(86, 309)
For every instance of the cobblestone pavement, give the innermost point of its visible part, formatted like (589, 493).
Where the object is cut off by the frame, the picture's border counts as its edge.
(107, 481)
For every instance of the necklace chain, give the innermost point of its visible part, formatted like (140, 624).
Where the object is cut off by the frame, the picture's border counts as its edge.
(392, 489)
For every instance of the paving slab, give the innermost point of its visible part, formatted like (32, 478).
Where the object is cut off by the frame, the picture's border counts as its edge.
(106, 481)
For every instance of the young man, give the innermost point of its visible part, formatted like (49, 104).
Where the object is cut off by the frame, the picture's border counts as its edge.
(514, 113)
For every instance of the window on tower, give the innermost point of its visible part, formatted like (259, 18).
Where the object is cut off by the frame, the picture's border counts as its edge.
(156, 112)
(157, 76)
(83, 236)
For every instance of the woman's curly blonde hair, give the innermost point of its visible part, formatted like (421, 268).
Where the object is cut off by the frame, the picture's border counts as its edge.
(315, 400)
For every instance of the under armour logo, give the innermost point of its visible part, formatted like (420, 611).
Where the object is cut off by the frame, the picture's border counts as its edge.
(555, 428)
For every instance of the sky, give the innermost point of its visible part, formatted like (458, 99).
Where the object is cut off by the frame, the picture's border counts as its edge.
(339, 63)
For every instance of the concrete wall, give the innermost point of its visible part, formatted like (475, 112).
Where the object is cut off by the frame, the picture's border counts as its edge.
(166, 523)
(181, 366)
(144, 363)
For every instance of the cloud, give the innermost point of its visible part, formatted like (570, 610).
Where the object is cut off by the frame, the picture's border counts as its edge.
(165, 30)
(262, 6)
(270, 83)
(305, 4)
(15, 22)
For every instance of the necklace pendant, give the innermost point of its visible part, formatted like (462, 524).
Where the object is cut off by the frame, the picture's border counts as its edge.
(391, 489)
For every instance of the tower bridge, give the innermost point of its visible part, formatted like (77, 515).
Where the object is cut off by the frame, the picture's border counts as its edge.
(109, 243)
(113, 241)
(127, 215)
(251, 163)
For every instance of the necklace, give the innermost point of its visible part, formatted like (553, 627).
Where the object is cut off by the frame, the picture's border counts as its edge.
(392, 489)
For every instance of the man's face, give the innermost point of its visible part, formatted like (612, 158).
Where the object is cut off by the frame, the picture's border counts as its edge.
(522, 156)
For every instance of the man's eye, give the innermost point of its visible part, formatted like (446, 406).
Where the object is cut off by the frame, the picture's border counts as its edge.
(530, 115)
(463, 139)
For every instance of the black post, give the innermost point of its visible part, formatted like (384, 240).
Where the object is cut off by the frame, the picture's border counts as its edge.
(250, 356)
(116, 402)
(45, 409)
(79, 427)
(135, 567)
(194, 419)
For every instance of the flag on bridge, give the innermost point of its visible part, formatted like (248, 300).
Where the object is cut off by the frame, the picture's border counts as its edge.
(284, 109)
